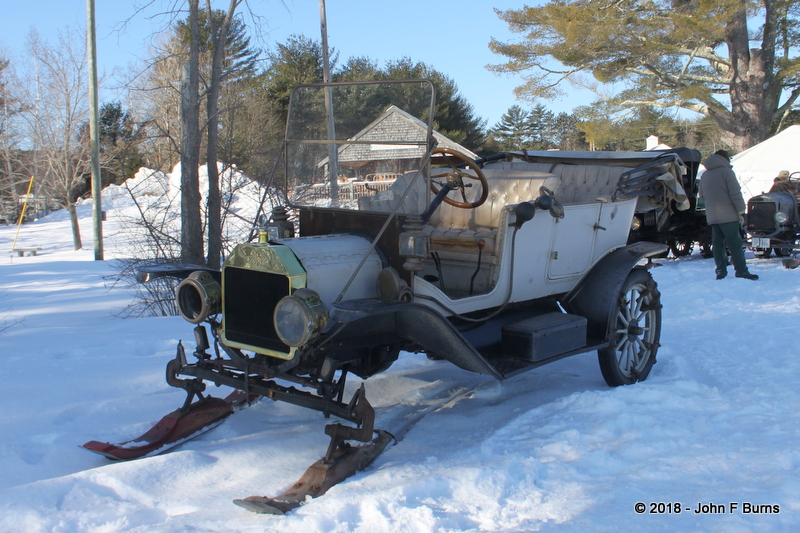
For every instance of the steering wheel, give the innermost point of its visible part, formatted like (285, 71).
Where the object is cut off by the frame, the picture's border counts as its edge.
(455, 178)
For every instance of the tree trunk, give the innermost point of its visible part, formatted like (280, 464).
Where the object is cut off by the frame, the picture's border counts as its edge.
(76, 229)
(753, 92)
(219, 37)
(214, 207)
(191, 224)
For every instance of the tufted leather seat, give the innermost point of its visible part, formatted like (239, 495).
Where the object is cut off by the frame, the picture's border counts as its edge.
(506, 187)
(579, 183)
(455, 232)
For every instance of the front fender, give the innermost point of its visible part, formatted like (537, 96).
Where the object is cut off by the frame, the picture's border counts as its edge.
(420, 325)
(150, 272)
(596, 294)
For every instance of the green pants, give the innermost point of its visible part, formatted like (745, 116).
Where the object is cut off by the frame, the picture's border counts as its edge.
(728, 233)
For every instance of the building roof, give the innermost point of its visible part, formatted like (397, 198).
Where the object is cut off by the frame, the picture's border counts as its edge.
(393, 125)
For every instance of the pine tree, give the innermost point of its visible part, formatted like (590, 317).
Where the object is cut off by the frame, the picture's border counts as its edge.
(540, 123)
(513, 131)
(733, 61)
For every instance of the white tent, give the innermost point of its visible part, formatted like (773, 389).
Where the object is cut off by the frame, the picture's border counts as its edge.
(758, 166)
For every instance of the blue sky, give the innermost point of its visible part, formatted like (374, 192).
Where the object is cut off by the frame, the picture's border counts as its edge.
(450, 35)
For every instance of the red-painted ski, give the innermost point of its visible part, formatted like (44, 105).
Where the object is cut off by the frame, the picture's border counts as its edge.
(176, 428)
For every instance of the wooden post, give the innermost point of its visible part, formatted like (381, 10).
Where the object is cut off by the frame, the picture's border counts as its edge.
(94, 134)
(333, 155)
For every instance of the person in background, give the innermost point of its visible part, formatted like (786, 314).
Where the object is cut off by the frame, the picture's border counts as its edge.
(725, 206)
(782, 184)
(782, 175)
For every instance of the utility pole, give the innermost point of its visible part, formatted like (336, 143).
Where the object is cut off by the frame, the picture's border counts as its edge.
(94, 133)
(333, 155)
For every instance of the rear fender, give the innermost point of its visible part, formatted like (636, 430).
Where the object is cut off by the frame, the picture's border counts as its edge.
(596, 294)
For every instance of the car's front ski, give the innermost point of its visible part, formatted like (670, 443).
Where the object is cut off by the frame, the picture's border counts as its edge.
(340, 462)
(344, 460)
(320, 477)
(176, 428)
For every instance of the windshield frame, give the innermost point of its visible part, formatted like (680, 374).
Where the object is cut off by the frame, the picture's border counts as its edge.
(293, 142)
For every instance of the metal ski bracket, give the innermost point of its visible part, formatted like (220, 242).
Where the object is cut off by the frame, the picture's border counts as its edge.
(364, 415)
(193, 387)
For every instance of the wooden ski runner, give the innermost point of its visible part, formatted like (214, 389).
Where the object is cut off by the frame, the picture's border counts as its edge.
(344, 460)
(320, 477)
(176, 428)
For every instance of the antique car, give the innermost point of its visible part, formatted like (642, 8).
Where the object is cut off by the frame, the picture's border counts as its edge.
(773, 223)
(681, 222)
(393, 239)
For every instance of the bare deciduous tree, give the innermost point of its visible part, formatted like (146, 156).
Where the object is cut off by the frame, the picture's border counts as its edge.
(191, 224)
(219, 40)
(55, 108)
(205, 51)
(9, 140)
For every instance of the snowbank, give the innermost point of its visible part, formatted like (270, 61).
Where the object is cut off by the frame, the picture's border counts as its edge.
(717, 422)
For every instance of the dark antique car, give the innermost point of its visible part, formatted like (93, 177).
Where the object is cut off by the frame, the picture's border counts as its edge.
(773, 222)
(679, 225)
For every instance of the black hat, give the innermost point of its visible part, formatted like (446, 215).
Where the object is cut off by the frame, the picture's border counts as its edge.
(723, 153)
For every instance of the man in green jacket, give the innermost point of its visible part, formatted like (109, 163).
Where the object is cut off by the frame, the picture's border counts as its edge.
(724, 209)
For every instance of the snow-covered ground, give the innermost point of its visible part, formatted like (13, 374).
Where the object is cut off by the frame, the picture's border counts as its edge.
(717, 423)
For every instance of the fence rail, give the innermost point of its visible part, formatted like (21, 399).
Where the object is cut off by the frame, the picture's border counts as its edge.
(349, 191)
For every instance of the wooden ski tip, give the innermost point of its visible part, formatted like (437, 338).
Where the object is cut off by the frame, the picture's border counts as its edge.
(263, 505)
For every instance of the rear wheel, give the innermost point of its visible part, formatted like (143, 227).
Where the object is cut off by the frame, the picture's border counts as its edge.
(705, 243)
(636, 331)
(681, 248)
(783, 252)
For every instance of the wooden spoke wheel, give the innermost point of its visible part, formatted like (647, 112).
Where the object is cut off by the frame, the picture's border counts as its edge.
(455, 178)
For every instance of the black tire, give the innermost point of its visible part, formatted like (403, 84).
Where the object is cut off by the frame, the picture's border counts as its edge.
(681, 248)
(783, 252)
(635, 333)
(706, 251)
